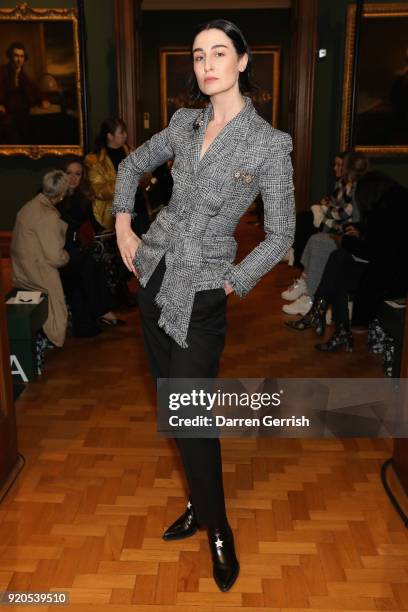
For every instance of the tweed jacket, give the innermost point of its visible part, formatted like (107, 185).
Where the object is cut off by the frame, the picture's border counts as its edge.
(195, 231)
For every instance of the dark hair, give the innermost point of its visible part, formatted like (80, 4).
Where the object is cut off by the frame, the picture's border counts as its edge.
(109, 126)
(16, 45)
(355, 165)
(342, 155)
(84, 189)
(241, 47)
(371, 190)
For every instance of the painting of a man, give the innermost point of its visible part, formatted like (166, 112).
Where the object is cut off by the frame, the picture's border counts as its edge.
(18, 94)
(41, 83)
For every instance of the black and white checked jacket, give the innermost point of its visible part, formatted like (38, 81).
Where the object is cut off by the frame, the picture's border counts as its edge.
(195, 231)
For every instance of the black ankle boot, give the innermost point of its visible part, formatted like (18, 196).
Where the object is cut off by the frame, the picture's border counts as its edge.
(341, 339)
(316, 317)
(184, 527)
(225, 562)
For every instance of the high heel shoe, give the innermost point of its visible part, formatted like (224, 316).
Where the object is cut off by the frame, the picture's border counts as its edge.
(316, 317)
(341, 339)
(184, 527)
(225, 562)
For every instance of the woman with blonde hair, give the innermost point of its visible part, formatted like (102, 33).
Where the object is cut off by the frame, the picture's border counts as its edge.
(37, 251)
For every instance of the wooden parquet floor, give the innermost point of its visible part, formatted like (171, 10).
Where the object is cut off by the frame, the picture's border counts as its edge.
(314, 529)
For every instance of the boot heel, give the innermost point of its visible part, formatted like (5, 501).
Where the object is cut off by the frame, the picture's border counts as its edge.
(341, 340)
(320, 328)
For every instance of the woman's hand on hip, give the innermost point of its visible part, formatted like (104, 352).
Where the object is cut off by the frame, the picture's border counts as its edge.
(228, 288)
(128, 245)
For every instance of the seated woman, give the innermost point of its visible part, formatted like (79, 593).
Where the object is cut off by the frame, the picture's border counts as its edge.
(371, 263)
(76, 207)
(333, 215)
(83, 278)
(37, 251)
(308, 221)
(102, 164)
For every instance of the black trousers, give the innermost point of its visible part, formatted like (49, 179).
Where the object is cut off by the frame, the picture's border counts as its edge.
(201, 457)
(341, 277)
(86, 291)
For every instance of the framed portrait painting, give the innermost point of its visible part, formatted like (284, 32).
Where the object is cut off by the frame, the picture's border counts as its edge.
(381, 107)
(41, 100)
(176, 67)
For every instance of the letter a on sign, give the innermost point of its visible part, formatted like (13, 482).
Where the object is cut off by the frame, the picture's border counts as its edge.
(18, 369)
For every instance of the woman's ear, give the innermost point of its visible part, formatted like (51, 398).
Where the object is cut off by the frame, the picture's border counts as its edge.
(243, 62)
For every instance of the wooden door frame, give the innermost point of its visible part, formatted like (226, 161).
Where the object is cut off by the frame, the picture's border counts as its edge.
(9, 458)
(304, 15)
(127, 17)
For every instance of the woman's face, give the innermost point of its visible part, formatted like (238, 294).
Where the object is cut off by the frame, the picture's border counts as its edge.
(74, 172)
(216, 62)
(118, 138)
(338, 167)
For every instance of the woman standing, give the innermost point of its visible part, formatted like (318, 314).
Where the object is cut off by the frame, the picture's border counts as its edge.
(224, 155)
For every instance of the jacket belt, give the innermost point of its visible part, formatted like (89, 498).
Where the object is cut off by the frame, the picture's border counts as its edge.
(176, 295)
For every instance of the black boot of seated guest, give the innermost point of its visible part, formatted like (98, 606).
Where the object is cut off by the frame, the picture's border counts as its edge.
(341, 339)
(184, 527)
(225, 562)
(316, 317)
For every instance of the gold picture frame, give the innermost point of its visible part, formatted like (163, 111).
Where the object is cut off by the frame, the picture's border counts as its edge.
(44, 113)
(379, 127)
(175, 69)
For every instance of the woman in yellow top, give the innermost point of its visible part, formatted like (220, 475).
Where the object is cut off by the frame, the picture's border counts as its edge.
(102, 164)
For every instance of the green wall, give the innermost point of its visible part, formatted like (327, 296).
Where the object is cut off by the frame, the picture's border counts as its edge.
(168, 28)
(328, 95)
(19, 176)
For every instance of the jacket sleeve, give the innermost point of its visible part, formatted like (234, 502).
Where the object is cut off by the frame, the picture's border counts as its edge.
(276, 187)
(52, 244)
(145, 158)
(102, 189)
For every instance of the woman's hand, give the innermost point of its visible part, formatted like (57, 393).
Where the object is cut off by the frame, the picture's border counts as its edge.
(128, 245)
(352, 231)
(228, 288)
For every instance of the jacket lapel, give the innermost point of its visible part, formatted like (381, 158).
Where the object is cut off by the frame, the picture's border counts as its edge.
(225, 143)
